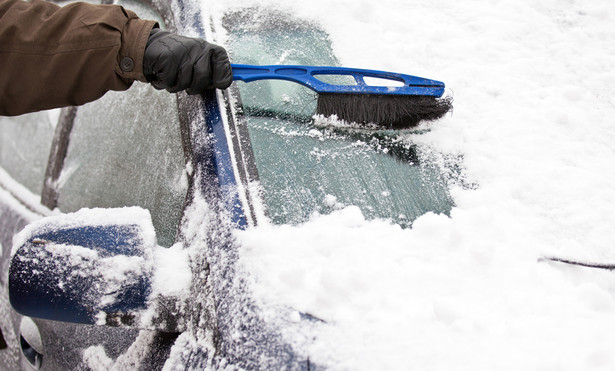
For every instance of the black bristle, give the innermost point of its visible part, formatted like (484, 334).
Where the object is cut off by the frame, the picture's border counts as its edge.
(389, 111)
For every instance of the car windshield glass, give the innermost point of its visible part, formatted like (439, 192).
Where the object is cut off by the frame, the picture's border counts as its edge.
(305, 168)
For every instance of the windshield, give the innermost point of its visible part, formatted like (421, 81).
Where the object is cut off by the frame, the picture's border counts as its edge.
(305, 168)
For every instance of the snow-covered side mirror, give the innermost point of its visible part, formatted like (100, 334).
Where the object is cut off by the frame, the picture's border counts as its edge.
(95, 266)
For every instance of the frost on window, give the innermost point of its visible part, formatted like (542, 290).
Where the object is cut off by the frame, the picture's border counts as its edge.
(25, 142)
(305, 168)
(125, 150)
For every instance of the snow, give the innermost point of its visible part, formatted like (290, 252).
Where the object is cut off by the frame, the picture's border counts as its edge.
(92, 217)
(14, 189)
(533, 121)
(96, 359)
(172, 275)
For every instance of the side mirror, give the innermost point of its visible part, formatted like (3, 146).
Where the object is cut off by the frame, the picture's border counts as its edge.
(91, 267)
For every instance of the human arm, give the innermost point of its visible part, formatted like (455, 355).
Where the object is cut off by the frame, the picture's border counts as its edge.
(53, 56)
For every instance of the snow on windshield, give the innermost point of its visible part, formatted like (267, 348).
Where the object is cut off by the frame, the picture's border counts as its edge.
(533, 88)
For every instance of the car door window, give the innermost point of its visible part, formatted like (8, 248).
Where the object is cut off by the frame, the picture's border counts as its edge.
(125, 150)
(304, 168)
(25, 142)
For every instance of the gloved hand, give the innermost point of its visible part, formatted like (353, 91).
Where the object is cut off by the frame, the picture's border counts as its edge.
(176, 63)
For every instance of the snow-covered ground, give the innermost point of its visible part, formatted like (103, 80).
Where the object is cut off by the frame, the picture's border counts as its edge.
(533, 84)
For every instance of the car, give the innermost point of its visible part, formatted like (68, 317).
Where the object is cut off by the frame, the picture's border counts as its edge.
(118, 218)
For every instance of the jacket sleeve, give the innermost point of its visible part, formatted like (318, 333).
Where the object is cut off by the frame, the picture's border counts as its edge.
(53, 56)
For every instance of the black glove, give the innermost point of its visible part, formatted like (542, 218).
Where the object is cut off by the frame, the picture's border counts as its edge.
(175, 63)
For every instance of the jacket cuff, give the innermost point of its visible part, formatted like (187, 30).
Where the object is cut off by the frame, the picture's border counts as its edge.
(134, 38)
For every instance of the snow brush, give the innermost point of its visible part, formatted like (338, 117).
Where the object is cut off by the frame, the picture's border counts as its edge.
(393, 107)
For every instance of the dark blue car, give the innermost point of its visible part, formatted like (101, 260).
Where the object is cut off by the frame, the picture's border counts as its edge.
(117, 217)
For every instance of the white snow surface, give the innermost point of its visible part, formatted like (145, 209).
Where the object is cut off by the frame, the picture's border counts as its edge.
(13, 189)
(172, 274)
(92, 217)
(533, 84)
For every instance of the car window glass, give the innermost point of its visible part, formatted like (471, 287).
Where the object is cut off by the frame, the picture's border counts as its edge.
(125, 150)
(303, 168)
(25, 142)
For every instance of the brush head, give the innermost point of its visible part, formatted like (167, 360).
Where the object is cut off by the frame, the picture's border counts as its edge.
(388, 111)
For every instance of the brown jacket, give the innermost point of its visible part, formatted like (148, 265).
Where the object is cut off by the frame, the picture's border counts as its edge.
(53, 56)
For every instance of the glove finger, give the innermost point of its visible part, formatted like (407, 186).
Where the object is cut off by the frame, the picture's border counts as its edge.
(184, 77)
(221, 65)
(166, 72)
(201, 78)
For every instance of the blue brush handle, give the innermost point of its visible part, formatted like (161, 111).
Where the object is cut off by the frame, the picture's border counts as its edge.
(305, 75)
